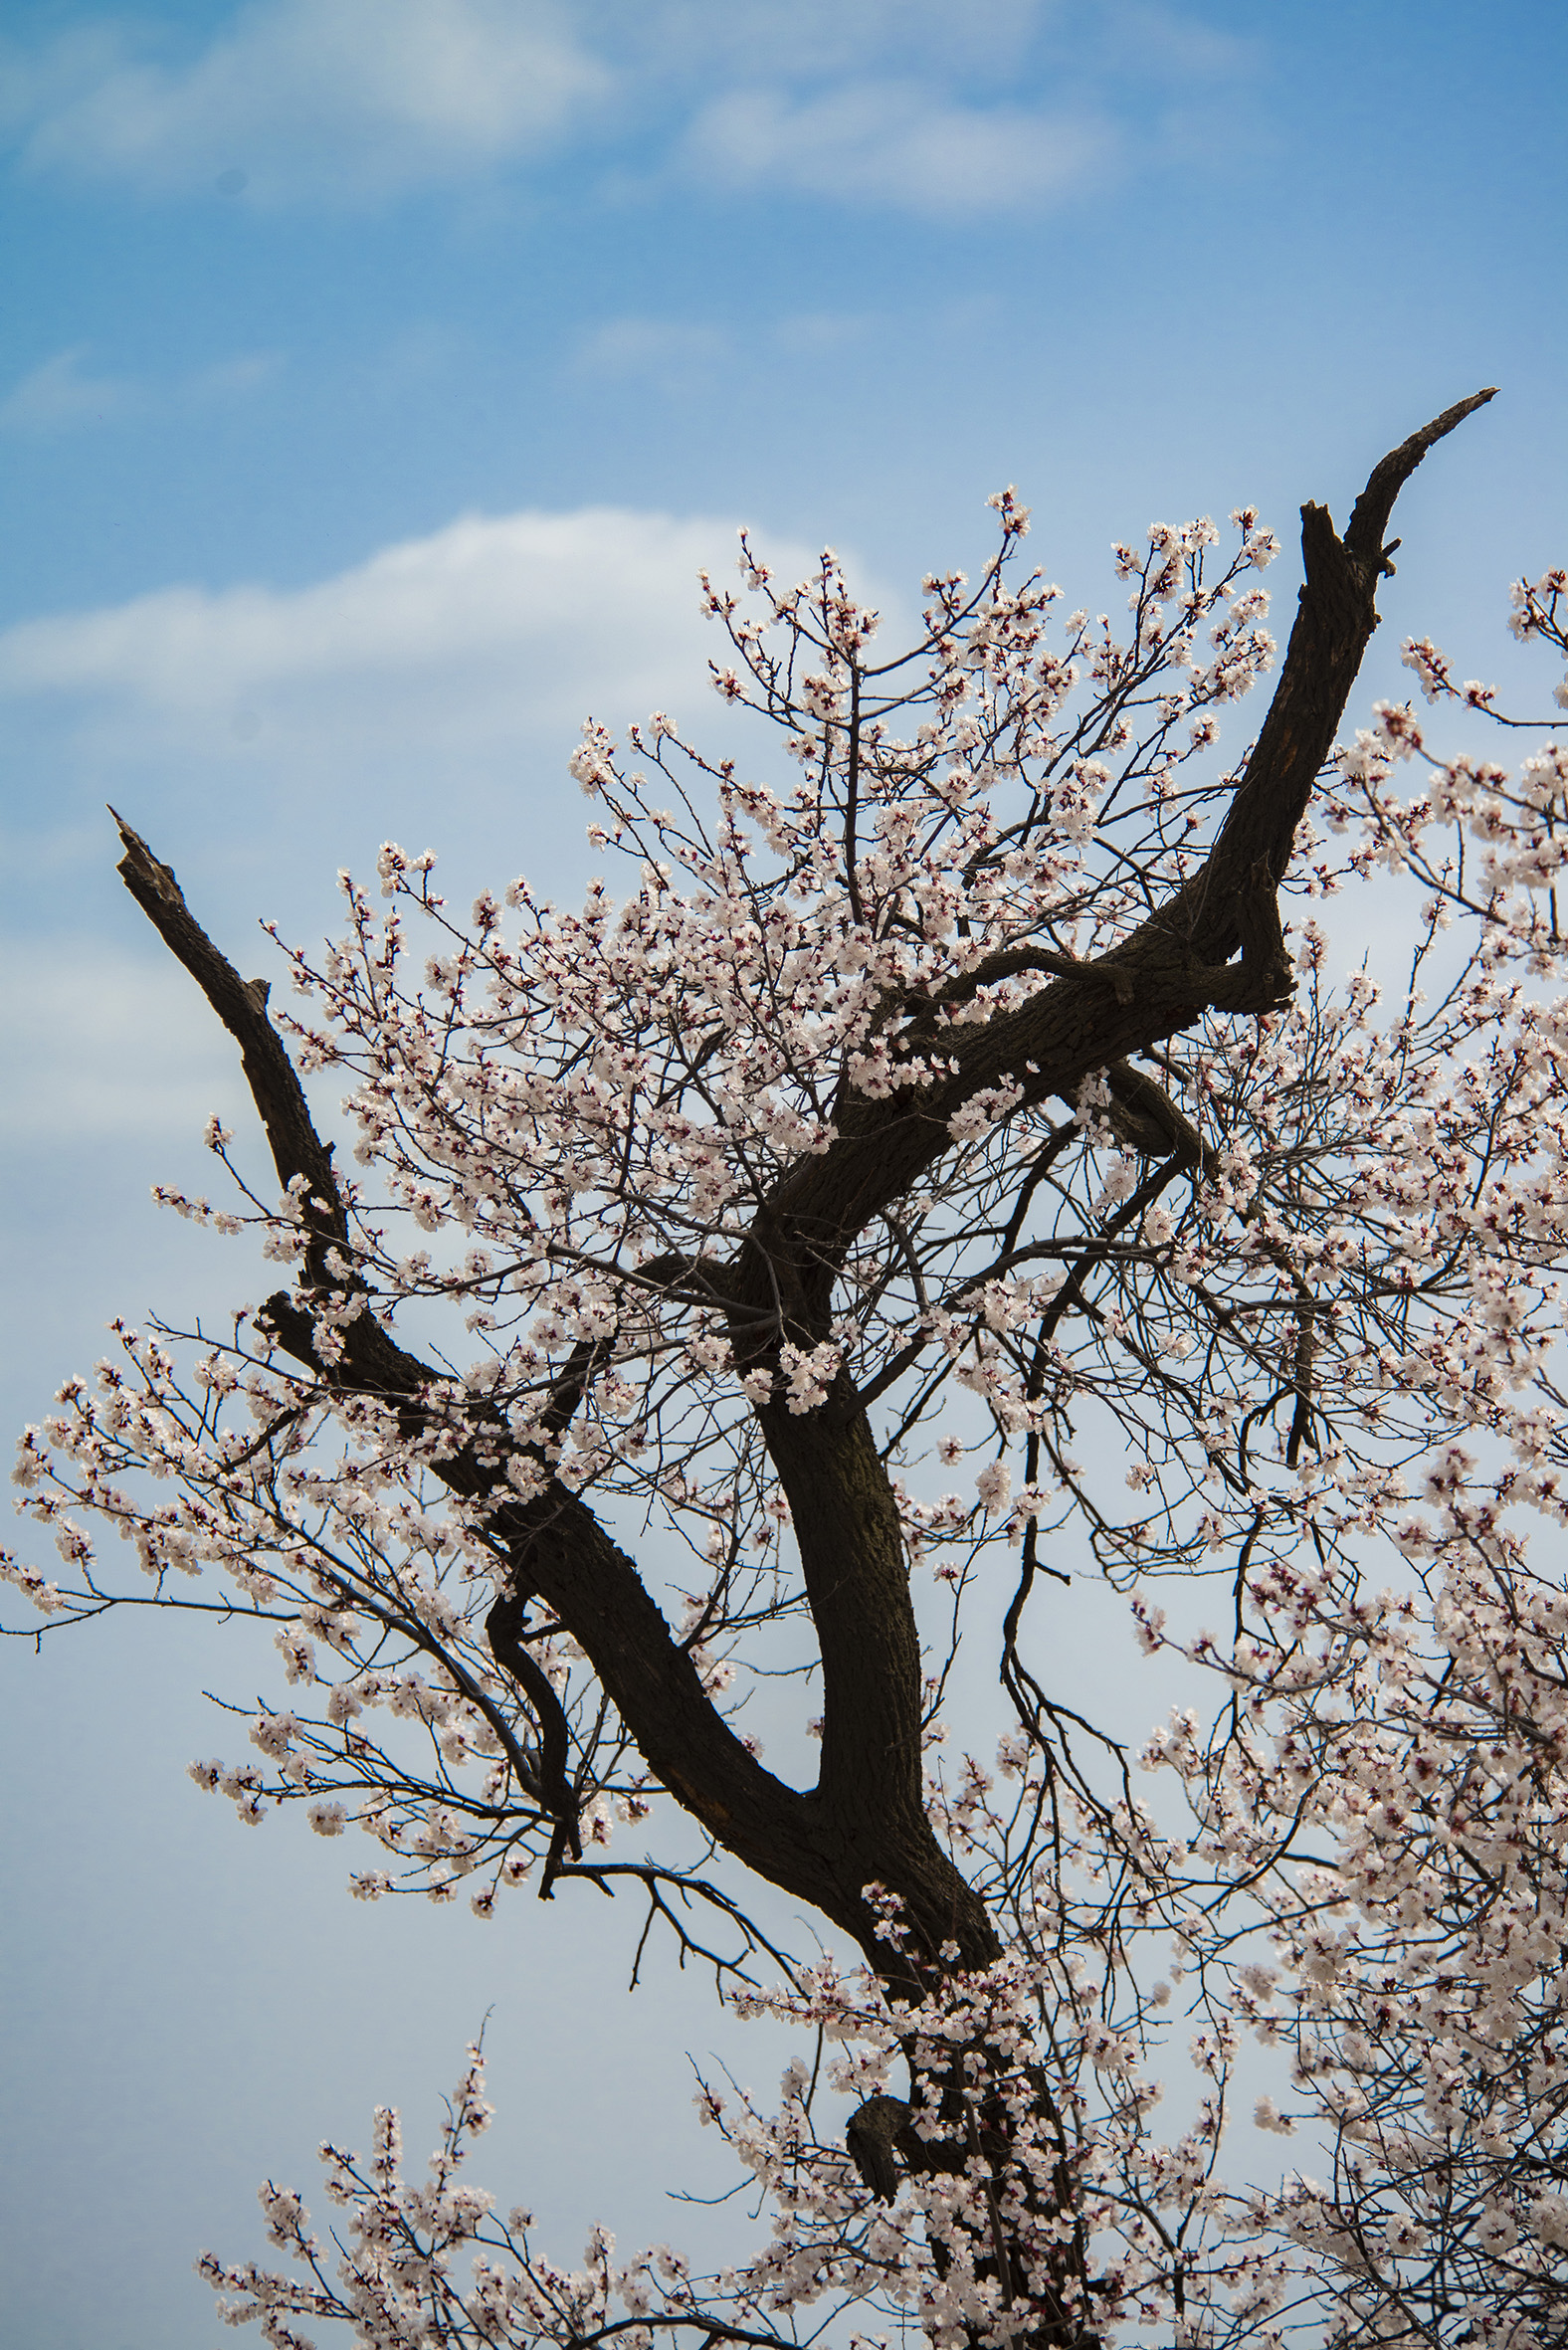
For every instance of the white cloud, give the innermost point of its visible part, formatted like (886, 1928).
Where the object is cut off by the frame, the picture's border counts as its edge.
(766, 39)
(674, 356)
(484, 635)
(897, 143)
(912, 104)
(230, 379)
(353, 99)
(59, 394)
(679, 358)
(261, 737)
(1165, 41)
(815, 334)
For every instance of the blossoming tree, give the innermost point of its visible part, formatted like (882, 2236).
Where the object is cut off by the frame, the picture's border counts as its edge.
(910, 1175)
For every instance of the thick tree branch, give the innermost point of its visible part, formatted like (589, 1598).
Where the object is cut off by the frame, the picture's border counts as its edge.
(554, 1543)
(1176, 967)
(864, 1822)
(824, 1848)
(241, 1004)
(372, 1361)
(1173, 968)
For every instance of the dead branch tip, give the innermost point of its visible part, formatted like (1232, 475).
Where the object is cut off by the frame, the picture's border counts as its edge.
(139, 864)
(1364, 538)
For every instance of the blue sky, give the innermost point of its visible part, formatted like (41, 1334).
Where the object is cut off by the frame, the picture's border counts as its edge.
(374, 376)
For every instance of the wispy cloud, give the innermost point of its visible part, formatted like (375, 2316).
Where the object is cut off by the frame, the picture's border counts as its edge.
(914, 104)
(347, 100)
(231, 379)
(897, 143)
(672, 356)
(812, 335)
(681, 356)
(478, 637)
(63, 394)
(784, 40)
(1153, 38)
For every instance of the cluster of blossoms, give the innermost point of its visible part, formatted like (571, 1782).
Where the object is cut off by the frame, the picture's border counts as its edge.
(1274, 1314)
(396, 2278)
(1074, 2091)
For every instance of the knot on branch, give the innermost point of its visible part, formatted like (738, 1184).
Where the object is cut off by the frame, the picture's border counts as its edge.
(290, 1327)
(1264, 978)
(870, 2134)
(1144, 1118)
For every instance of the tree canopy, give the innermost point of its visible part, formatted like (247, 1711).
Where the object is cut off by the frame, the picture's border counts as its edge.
(899, 1177)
